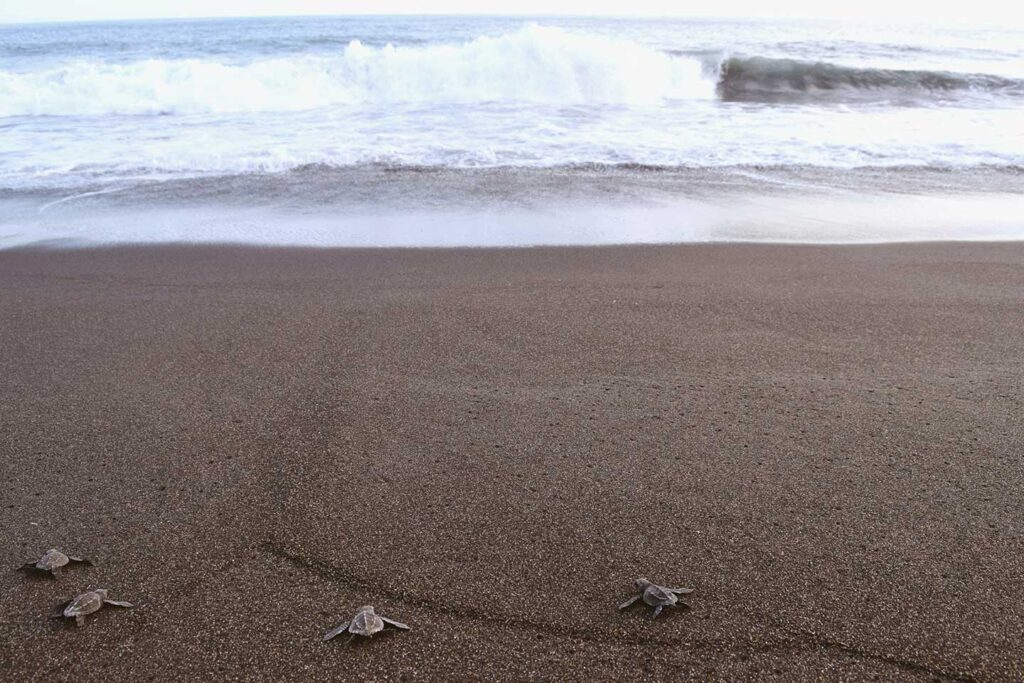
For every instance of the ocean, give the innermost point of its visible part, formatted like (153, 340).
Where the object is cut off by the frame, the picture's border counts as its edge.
(441, 131)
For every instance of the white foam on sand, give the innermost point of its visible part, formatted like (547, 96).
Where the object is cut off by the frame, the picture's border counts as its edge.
(844, 219)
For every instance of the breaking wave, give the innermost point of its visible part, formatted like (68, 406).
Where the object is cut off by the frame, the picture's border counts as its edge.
(534, 64)
(766, 79)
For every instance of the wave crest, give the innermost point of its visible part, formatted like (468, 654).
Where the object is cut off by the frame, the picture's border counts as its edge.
(767, 79)
(535, 64)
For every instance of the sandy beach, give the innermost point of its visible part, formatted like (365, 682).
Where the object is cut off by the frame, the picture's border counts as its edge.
(825, 443)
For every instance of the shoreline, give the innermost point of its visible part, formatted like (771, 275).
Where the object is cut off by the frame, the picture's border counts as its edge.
(381, 207)
(490, 444)
(62, 247)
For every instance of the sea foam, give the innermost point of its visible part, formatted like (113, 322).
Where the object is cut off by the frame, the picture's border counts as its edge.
(534, 64)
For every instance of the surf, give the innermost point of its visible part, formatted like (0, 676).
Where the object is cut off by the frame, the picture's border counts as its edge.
(765, 79)
(536, 64)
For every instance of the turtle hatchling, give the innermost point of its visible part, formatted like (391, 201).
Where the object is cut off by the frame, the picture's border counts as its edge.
(366, 622)
(52, 562)
(87, 603)
(656, 596)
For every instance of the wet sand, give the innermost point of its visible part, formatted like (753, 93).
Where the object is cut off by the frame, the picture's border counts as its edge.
(826, 443)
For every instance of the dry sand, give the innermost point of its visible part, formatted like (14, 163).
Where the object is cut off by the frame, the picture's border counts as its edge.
(827, 443)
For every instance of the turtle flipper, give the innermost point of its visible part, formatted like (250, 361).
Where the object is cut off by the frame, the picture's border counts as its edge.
(83, 560)
(118, 603)
(657, 611)
(80, 620)
(27, 567)
(681, 591)
(336, 631)
(396, 624)
(629, 602)
(60, 610)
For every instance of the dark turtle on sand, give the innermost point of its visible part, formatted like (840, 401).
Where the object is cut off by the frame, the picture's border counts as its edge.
(52, 562)
(366, 622)
(87, 603)
(656, 596)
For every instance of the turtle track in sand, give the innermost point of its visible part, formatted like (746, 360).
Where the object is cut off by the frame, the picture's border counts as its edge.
(793, 640)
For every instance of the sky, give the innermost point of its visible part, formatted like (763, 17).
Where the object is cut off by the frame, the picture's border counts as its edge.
(975, 12)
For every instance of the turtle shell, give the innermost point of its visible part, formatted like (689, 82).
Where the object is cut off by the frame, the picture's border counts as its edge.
(86, 603)
(366, 622)
(51, 560)
(659, 595)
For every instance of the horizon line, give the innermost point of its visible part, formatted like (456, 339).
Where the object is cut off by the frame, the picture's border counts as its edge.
(546, 15)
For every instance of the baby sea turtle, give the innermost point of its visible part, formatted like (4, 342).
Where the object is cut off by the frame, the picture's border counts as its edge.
(87, 603)
(657, 597)
(52, 562)
(365, 623)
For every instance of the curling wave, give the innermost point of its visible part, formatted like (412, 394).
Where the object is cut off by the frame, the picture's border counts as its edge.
(767, 79)
(534, 64)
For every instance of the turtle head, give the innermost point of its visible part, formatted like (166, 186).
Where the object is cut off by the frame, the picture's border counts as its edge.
(367, 608)
(641, 584)
(102, 592)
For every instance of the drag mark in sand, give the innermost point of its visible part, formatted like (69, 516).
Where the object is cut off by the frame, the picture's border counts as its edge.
(797, 640)
(345, 577)
(811, 639)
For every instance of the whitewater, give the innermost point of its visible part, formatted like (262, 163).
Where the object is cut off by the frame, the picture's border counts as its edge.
(339, 119)
(535, 64)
